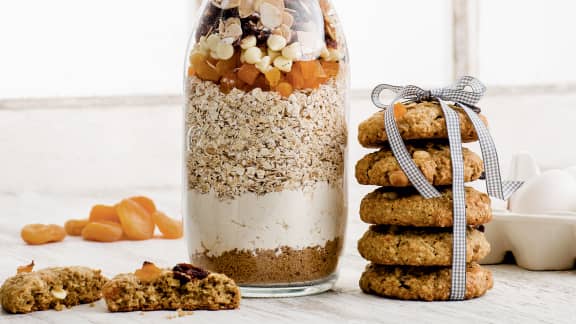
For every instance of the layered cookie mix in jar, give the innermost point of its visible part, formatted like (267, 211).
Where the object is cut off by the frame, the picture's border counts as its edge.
(265, 144)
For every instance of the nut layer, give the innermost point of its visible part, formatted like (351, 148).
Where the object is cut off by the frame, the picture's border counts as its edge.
(422, 283)
(382, 169)
(422, 120)
(393, 245)
(408, 208)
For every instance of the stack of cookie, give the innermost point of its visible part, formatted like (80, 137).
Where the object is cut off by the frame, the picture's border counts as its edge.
(409, 242)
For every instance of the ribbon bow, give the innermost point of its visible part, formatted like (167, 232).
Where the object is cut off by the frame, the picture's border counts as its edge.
(465, 99)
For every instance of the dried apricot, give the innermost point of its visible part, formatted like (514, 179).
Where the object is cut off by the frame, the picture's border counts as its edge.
(331, 68)
(136, 220)
(295, 76)
(26, 268)
(399, 110)
(225, 66)
(103, 213)
(312, 69)
(148, 272)
(102, 232)
(197, 58)
(228, 82)
(74, 227)
(206, 70)
(285, 89)
(145, 202)
(191, 71)
(273, 77)
(169, 227)
(35, 234)
(248, 73)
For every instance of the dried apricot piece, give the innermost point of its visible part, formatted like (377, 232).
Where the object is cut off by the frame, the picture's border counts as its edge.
(206, 70)
(273, 77)
(35, 234)
(197, 58)
(102, 232)
(145, 202)
(225, 66)
(312, 69)
(136, 220)
(285, 89)
(295, 76)
(103, 213)
(228, 82)
(169, 227)
(191, 71)
(331, 68)
(149, 272)
(74, 227)
(399, 110)
(248, 73)
(26, 268)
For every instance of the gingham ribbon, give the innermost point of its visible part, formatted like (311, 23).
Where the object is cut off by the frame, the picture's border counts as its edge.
(465, 93)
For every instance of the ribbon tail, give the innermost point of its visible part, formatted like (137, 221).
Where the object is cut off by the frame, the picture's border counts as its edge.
(378, 90)
(401, 153)
(494, 185)
(458, 288)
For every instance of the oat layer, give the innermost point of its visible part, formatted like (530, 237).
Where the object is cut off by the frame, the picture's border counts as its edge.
(260, 142)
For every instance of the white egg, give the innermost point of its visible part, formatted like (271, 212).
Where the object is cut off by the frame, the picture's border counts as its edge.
(551, 191)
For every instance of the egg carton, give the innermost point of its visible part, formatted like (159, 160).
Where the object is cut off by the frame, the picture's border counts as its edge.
(537, 241)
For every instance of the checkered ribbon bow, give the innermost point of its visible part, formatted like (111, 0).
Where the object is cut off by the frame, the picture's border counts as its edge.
(465, 93)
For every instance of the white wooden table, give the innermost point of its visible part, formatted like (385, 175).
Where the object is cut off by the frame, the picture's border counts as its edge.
(59, 158)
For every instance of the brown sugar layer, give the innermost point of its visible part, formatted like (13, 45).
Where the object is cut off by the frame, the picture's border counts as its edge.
(382, 169)
(405, 207)
(171, 290)
(422, 283)
(51, 288)
(418, 246)
(422, 120)
(275, 266)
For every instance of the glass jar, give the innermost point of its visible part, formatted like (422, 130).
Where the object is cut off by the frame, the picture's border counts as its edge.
(265, 198)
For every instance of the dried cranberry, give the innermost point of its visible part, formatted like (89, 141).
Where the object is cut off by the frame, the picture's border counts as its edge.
(185, 272)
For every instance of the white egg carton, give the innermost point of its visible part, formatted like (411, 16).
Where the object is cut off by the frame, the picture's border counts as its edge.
(537, 241)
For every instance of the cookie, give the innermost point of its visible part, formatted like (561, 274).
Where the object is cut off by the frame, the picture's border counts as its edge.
(406, 207)
(423, 120)
(183, 287)
(433, 159)
(422, 283)
(51, 288)
(418, 246)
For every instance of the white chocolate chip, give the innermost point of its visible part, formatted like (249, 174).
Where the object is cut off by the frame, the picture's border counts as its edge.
(292, 51)
(253, 55)
(276, 42)
(248, 42)
(273, 54)
(287, 19)
(264, 64)
(214, 55)
(283, 63)
(59, 293)
(213, 41)
(421, 155)
(224, 51)
(203, 45)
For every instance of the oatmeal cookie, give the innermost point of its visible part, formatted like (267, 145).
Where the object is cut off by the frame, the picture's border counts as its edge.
(423, 120)
(51, 288)
(422, 283)
(433, 159)
(406, 207)
(418, 246)
(183, 287)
